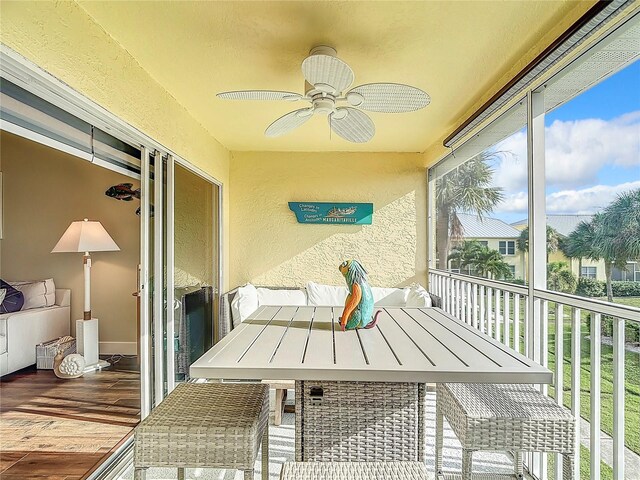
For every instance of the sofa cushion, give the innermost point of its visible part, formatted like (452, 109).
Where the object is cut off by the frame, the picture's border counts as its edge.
(244, 303)
(13, 298)
(390, 297)
(418, 296)
(268, 296)
(326, 295)
(37, 294)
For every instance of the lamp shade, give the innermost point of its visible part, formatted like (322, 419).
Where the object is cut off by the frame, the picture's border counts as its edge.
(85, 236)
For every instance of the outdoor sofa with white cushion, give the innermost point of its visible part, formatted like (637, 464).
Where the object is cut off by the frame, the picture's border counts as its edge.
(237, 304)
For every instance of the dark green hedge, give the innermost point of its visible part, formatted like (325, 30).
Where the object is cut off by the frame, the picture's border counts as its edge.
(588, 287)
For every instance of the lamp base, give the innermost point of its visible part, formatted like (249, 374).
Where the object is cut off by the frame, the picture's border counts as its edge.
(87, 344)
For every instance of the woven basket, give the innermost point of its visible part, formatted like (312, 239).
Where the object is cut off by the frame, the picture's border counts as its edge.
(46, 352)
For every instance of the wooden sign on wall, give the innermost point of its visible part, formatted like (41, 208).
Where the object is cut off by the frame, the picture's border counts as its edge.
(331, 213)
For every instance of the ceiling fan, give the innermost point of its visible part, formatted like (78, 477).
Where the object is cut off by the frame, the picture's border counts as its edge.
(327, 79)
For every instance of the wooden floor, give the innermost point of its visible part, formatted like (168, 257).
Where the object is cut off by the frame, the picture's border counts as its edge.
(63, 429)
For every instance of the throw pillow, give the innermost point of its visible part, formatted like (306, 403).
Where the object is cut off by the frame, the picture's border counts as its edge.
(37, 294)
(268, 296)
(326, 295)
(390, 297)
(244, 303)
(418, 296)
(13, 299)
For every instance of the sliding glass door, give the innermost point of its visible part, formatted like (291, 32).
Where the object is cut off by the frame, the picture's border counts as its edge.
(180, 271)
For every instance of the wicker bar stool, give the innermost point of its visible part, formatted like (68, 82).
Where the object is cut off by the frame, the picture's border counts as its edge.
(208, 425)
(512, 418)
(353, 471)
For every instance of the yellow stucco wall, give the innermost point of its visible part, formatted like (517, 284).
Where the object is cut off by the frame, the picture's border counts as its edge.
(62, 39)
(194, 243)
(268, 246)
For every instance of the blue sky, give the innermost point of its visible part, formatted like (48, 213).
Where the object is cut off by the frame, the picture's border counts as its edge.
(592, 151)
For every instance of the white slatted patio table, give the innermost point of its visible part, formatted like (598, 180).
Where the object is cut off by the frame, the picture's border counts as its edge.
(360, 394)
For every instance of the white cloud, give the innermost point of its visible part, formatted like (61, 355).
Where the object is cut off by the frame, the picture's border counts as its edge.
(511, 171)
(576, 151)
(581, 201)
(587, 200)
(515, 202)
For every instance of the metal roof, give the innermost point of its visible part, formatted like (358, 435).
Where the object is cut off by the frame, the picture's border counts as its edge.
(486, 227)
(563, 224)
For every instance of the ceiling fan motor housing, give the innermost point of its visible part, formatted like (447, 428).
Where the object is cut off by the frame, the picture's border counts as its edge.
(324, 105)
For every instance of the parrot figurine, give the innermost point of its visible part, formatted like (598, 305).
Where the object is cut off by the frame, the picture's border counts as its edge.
(358, 308)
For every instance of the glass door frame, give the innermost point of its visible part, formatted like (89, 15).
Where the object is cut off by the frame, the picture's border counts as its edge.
(157, 296)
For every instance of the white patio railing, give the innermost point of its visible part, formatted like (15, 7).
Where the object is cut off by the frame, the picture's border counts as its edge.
(501, 310)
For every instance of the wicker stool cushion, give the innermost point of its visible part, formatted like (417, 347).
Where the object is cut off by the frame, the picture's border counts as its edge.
(353, 471)
(204, 425)
(506, 417)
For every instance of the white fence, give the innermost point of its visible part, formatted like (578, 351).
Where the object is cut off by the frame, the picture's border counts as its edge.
(501, 310)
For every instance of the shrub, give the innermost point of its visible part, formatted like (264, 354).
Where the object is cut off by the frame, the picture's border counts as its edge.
(589, 287)
(626, 289)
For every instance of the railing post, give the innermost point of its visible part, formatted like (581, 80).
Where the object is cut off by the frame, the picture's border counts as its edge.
(559, 372)
(463, 301)
(575, 385)
(618, 398)
(483, 317)
(475, 305)
(596, 319)
(469, 300)
(544, 343)
(489, 312)
(506, 316)
(516, 322)
(447, 297)
(526, 327)
(496, 332)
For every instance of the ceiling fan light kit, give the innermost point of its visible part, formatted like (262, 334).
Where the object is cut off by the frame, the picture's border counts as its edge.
(327, 79)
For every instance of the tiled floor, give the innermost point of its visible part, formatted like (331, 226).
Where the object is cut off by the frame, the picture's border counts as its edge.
(62, 429)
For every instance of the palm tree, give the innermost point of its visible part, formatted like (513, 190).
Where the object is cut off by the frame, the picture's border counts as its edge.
(553, 240)
(560, 278)
(465, 254)
(465, 189)
(619, 235)
(580, 244)
(612, 235)
(489, 263)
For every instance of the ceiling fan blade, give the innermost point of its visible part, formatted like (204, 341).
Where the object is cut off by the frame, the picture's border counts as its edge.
(352, 125)
(388, 97)
(288, 122)
(259, 95)
(327, 70)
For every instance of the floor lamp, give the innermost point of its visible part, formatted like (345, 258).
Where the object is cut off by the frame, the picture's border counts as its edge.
(85, 236)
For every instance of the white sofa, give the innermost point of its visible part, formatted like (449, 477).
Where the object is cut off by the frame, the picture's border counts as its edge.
(21, 331)
(237, 304)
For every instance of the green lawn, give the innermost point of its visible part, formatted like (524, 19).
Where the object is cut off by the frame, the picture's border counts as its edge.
(632, 387)
(632, 381)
